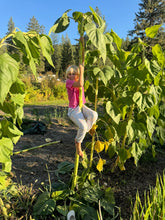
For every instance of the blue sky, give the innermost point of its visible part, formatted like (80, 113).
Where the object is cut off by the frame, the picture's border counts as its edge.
(119, 14)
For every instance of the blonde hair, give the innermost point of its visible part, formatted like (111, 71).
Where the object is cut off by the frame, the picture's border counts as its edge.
(71, 69)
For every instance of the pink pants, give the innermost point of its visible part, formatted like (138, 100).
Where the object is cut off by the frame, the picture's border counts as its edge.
(84, 119)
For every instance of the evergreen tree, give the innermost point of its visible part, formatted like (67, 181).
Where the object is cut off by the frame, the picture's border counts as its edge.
(56, 57)
(76, 50)
(11, 26)
(9, 41)
(151, 12)
(67, 53)
(33, 25)
(57, 60)
(126, 43)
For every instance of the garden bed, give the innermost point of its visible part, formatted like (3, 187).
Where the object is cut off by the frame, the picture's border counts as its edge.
(30, 167)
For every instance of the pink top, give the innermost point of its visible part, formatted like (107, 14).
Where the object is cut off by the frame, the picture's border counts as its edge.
(73, 94)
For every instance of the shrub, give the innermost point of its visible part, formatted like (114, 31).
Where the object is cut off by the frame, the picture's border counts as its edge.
(59, 90)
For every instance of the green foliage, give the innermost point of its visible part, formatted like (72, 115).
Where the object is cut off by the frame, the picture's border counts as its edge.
(48, 90)
(132, 90)
(61, 24)
(85, 201)
(9, 71)
(153, 206)
(12, 90)
(44, 205)
(133, 98)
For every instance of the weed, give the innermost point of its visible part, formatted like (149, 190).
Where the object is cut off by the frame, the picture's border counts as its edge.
(154, 202)
(17, 201)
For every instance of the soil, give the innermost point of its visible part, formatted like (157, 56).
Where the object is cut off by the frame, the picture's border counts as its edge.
(30, 167)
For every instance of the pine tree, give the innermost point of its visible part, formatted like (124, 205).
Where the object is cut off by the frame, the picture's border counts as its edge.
(57, 59)
(67, 53)
(126, 43)
(33, 25)
(151, 12)
(11, 26)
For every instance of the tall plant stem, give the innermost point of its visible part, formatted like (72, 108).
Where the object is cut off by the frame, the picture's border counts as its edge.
(93, 136)
(36, 147)
(129, 117)
(76, 163)
(81, 55)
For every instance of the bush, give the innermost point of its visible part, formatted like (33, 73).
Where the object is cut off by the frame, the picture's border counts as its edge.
(59, 90)
(48, 89)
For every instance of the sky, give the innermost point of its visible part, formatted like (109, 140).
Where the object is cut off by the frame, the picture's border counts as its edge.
(119, 14)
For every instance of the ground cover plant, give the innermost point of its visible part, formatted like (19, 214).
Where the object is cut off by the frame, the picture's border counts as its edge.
(132, 92)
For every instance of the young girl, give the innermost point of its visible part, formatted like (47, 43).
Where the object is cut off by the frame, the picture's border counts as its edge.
(84, 118)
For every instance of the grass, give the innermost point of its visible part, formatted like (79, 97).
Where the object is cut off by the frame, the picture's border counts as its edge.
(56, 102)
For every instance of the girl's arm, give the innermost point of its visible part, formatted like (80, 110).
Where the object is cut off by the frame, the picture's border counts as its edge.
(80, 81)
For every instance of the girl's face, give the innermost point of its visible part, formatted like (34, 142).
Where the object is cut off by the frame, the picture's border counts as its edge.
(73, 76)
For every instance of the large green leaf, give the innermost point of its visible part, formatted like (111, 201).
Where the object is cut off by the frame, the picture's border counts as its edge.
(64, 167)
(14, 107)
(113, 112)
(130, 130)
(108, 72)
(18, 87)
(44, 205)
(17, 92)
(61, 23)
(108, 202)
(92, 194)
(6, 150)
(151, 125)
(109, 38)
(152, 31)
(97, 38)
(124, 155)
(10, 130)
(46, 48)
(8, 108)
(8, 74)
(22, 42)
(4, 180)
(116, 39)
(85, 212)
(136, 152)
(138, 98)
(98, 20)
(100, 75)
(78, 16)
(158, 53)
(161, 134)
